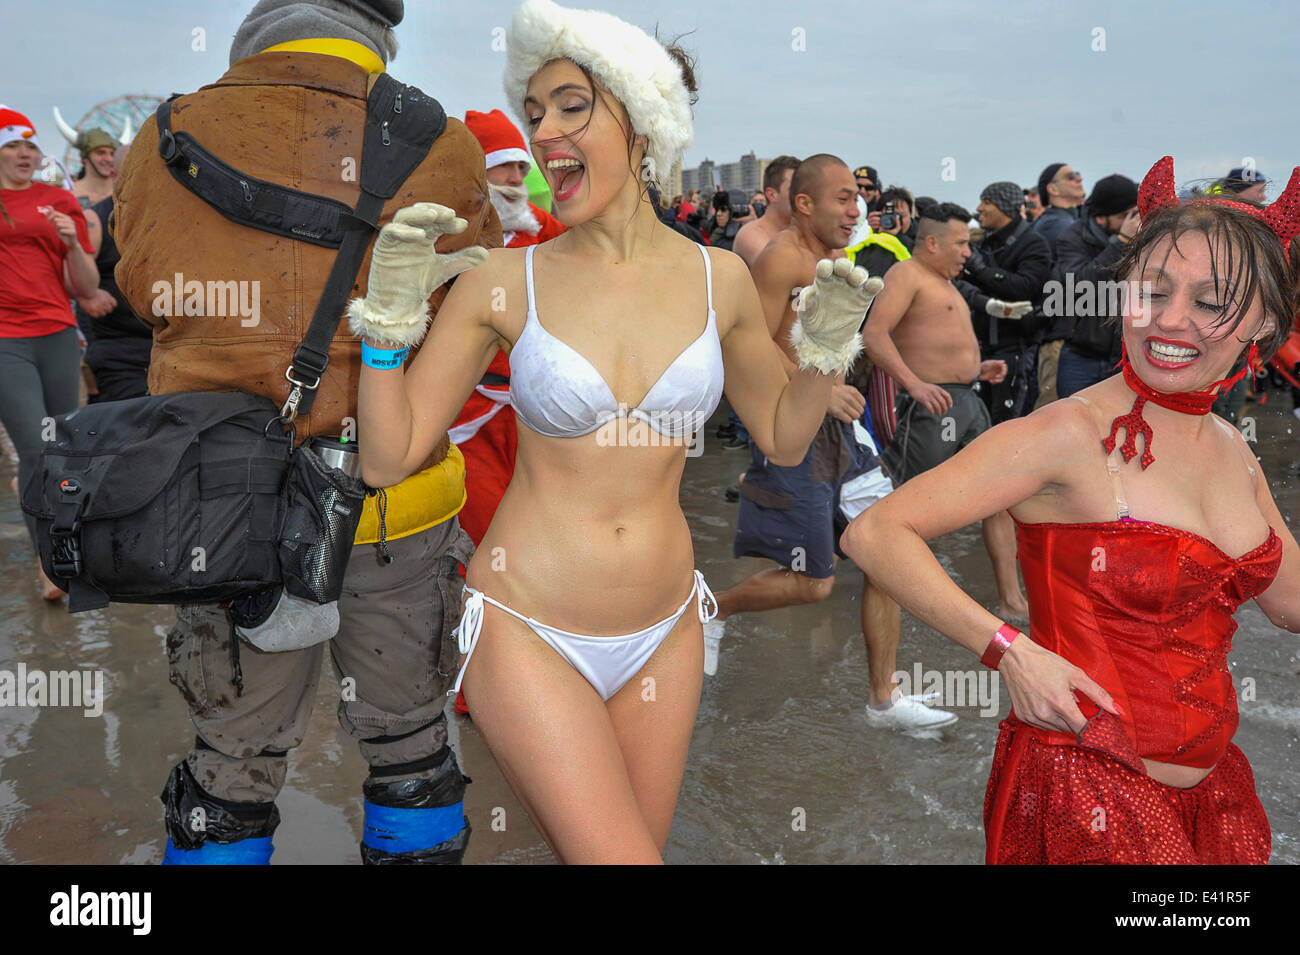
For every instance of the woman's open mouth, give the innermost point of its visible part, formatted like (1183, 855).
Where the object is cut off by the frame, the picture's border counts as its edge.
(1167, 355)
(566, 175)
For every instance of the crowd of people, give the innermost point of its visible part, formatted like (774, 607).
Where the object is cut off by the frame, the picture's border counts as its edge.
(875, 352)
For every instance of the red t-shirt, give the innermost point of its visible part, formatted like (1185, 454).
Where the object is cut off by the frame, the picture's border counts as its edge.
(33, 301)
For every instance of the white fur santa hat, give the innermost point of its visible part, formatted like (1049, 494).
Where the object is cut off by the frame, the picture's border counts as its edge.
(633, 65)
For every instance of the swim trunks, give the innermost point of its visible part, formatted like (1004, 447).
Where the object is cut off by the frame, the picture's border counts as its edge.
(923, 440)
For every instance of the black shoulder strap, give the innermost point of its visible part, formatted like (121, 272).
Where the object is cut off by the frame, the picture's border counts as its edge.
(402, 124)
(247, 200)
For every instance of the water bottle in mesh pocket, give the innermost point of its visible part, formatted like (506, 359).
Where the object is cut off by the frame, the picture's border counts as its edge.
(322, 513)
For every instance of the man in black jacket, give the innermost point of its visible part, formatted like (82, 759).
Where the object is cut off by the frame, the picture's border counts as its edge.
(1003, 283)
(1060, 189)
(1060, 194)
(1082, 288)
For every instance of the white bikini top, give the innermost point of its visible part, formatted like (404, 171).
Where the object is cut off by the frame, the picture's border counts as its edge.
(556, 392)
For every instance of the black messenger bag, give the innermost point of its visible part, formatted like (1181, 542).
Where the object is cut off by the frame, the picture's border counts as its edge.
(201, 497)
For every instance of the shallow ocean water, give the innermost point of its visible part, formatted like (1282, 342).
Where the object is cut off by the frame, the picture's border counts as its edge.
(783, 767)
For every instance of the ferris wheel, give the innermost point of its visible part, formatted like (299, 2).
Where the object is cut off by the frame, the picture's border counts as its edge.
(120, 115)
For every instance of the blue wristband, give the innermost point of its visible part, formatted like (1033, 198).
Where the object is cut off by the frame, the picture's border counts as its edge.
(382, 358)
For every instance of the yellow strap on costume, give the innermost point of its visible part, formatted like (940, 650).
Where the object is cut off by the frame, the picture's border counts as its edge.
(424, 499)
(883, 239)
(358, 53)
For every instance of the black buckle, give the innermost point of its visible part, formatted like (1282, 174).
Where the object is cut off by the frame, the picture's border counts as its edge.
(65, 557)
(167, 147)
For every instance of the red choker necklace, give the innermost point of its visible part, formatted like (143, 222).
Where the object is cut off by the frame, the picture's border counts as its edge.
(1186, 402)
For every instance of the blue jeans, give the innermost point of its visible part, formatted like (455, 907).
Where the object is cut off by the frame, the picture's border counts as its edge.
(741, 433)
(1074, 371)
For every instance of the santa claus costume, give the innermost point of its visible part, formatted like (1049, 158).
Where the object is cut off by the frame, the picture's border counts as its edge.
(1152, 624)
(485, 430)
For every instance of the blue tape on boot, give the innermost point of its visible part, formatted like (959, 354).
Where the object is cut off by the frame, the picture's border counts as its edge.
(410, 830)
(243, 852)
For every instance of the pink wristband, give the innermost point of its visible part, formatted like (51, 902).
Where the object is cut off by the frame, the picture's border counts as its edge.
(998, 645)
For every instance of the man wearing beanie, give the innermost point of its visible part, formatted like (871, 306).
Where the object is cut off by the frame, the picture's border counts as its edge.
(1086, 254)
(485, 430)
(1060, 189)
(291, 110)
(1003, 283)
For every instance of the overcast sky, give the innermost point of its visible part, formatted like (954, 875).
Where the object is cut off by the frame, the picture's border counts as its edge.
(984, 91)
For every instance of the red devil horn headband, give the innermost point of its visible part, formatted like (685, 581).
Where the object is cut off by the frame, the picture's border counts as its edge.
(1282, 216)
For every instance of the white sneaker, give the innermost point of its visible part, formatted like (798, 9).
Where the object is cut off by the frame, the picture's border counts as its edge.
(926, 698)
(907, 714)
(713, 631)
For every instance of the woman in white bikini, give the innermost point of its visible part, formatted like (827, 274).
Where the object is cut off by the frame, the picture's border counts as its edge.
(586, 669)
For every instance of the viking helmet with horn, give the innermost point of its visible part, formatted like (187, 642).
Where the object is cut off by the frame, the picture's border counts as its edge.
(1282, 216)
(86, 140)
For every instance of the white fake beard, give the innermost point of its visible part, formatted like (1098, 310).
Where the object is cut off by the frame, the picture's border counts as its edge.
(511, 204)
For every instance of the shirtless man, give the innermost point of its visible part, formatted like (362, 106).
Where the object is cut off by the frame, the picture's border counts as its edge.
(920, 333)
(97, 183)
(754, 236)
(749, 243)
(792, 514)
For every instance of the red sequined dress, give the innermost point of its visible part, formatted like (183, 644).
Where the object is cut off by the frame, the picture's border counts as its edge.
(1146, 610)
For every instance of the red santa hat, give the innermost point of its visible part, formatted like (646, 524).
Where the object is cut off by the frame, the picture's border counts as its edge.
(500, 140)
(14, 125)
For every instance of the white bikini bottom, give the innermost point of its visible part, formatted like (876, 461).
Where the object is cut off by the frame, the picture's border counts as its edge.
(607, 662)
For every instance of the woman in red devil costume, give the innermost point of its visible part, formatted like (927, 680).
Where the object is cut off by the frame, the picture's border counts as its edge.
(1143, 523)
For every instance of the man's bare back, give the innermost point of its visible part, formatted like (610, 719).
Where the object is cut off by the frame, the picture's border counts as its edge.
(753, 238)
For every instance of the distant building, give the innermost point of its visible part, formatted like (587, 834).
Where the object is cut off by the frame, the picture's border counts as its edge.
(705, 179)
(745, 174)
(672, 186)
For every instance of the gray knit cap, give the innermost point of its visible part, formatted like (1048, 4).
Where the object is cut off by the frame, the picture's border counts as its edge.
(368, 22)
(1007, 196)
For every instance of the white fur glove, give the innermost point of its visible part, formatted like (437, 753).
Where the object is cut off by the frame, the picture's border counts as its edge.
(1014, 310)
(831, 310)
(404, 271)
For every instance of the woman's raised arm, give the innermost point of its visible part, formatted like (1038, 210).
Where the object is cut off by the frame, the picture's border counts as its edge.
(403, 415)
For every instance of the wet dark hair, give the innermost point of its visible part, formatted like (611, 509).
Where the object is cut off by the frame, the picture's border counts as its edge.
(934, 219)
(687, 64)
(1246, 260)
(944, 212)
